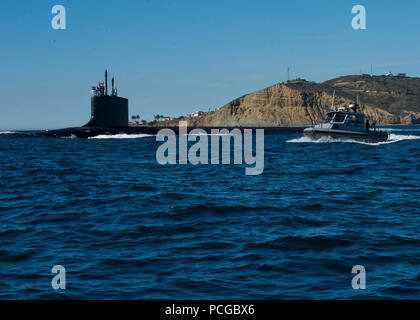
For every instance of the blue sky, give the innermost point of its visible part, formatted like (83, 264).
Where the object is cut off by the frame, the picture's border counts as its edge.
(173, 57)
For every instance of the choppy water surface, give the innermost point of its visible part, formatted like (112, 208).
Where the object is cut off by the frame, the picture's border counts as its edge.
(126, 227)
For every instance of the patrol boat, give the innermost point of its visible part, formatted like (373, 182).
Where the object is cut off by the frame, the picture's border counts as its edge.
(346, 122)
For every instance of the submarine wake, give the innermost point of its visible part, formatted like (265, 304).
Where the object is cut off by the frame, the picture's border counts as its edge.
(121, 136)
(18, 134)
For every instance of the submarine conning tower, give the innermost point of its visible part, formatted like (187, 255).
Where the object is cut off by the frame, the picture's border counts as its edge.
(107, 110)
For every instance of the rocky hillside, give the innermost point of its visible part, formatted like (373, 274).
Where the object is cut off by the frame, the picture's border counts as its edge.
(384, 99)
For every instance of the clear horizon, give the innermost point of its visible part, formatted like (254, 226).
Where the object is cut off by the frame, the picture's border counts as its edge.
(174, 58)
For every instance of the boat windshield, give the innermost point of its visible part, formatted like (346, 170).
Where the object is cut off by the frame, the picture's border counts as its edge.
(339, 117)
(330, 115)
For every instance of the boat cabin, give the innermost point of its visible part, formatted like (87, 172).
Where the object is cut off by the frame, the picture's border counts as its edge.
(344, 118)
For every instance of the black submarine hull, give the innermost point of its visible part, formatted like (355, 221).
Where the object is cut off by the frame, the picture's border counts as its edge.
(88, 132)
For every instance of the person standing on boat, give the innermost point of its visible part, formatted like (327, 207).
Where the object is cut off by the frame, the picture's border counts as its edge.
(367, 125)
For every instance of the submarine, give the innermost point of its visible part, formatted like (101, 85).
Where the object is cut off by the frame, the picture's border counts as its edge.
(110, 114)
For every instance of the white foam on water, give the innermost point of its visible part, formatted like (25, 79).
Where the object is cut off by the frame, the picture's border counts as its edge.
(8, 132)
(305, 139)
(391, 139)
(398, 130)
(121, 136)
(72, 136)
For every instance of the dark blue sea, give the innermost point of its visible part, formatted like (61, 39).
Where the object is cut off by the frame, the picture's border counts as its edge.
(126, 227)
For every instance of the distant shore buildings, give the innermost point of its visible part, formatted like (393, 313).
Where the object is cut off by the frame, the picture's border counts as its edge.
(195, 114)
(401, 74)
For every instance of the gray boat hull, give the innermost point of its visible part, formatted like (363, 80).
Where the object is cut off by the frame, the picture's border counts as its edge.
(371, 136)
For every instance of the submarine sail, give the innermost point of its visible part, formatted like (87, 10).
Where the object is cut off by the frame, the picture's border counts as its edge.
(107, 110)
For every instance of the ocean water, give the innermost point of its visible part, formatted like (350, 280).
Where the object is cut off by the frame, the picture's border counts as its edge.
(126, 227)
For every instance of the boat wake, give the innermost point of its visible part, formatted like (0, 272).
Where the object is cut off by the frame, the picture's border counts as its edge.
(392, 139)
(121, 136)
(398, 129)
(8, 132)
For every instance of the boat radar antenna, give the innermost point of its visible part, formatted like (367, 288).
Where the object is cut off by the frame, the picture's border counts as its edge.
(355, 106)
(333, 107)
(113, 90)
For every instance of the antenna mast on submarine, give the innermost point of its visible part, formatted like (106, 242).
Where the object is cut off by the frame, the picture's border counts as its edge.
(106, 82)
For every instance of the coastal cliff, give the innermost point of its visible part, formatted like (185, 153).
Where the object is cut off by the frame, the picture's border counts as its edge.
(384, 99)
